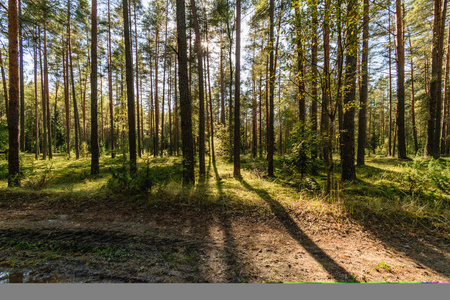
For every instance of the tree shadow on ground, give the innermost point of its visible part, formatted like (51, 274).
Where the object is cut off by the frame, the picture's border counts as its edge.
(389, 227)
(332, 267)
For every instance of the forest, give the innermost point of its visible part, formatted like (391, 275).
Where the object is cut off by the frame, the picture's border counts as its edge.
(255, 141)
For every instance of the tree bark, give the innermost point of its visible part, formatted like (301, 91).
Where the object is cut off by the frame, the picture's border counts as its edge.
(185, 102)
(348, 135)
(75, 106)
(435, 98)
(363, 95)
(400, 83)
(95, 169)
(137, 81)
(314, 92)
(110, 86)
(13, 107)
(22, 88)
(237, 95)
(198, 46)
(130, 90)
(36, 108)
(270, 131)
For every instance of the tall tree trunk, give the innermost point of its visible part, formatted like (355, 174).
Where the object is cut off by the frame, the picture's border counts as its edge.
(36, 108)
(156, 100)
(260, 117)
(185, 102)
(164, 81)
(254, 108)
(137, 81)
(327, 146)
(210, 96)
(348, 135)
(390, 83)
(445, 114)
(222, 85)
(47, 93)
(130, 89)
(413, 112)
(22, 88)
(363, 95)
(13, 107)
(237, 95)
(66, 97)
(95, 169)
(44, 103)
(198, 46)
(75, 106)
(110, 85)
(314, 92)
(400, 83)
(270, 131)
(435, 98)
(176, 114)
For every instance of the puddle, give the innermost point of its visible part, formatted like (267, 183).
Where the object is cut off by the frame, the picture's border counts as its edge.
(26, 276)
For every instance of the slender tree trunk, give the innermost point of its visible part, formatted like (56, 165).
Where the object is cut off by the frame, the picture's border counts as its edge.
(66, 97)
(222, 85)
(22, 89)
(325, 122)
(176, 113)
(201, 138)
(75, 106)
(164, 81)
(314, 92)
(185, 102)
(130, 89)
(390, 85)
(95, 169)
(445, 114)
(169, 106)
(156, 136)
(44, 104)
(260, 117)
(110, 86)
(413, 112)
(254, 108)
(36, 108)
(210, 96)
(47, 93)
(400, 83)
(137, 81)
(270, 131)
(237, 95)
(348, 135)
(13, 107)
(325, 119)
(363, 95)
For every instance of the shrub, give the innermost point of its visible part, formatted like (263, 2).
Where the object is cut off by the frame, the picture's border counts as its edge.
(123, 182)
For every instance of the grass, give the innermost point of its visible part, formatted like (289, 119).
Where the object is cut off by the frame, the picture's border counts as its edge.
(396, 192)
(383, 266)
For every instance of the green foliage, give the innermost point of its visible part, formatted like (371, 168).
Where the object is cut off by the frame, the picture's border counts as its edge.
(304, 142)
(384, 266)
(3, 138)
(222, 140)
(433, 173)
(84, 149)
(122, 182)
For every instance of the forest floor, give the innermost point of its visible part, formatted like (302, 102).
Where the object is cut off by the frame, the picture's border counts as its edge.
(63, 225)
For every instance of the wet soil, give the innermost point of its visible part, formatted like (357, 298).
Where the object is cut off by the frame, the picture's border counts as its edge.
(48, 241)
